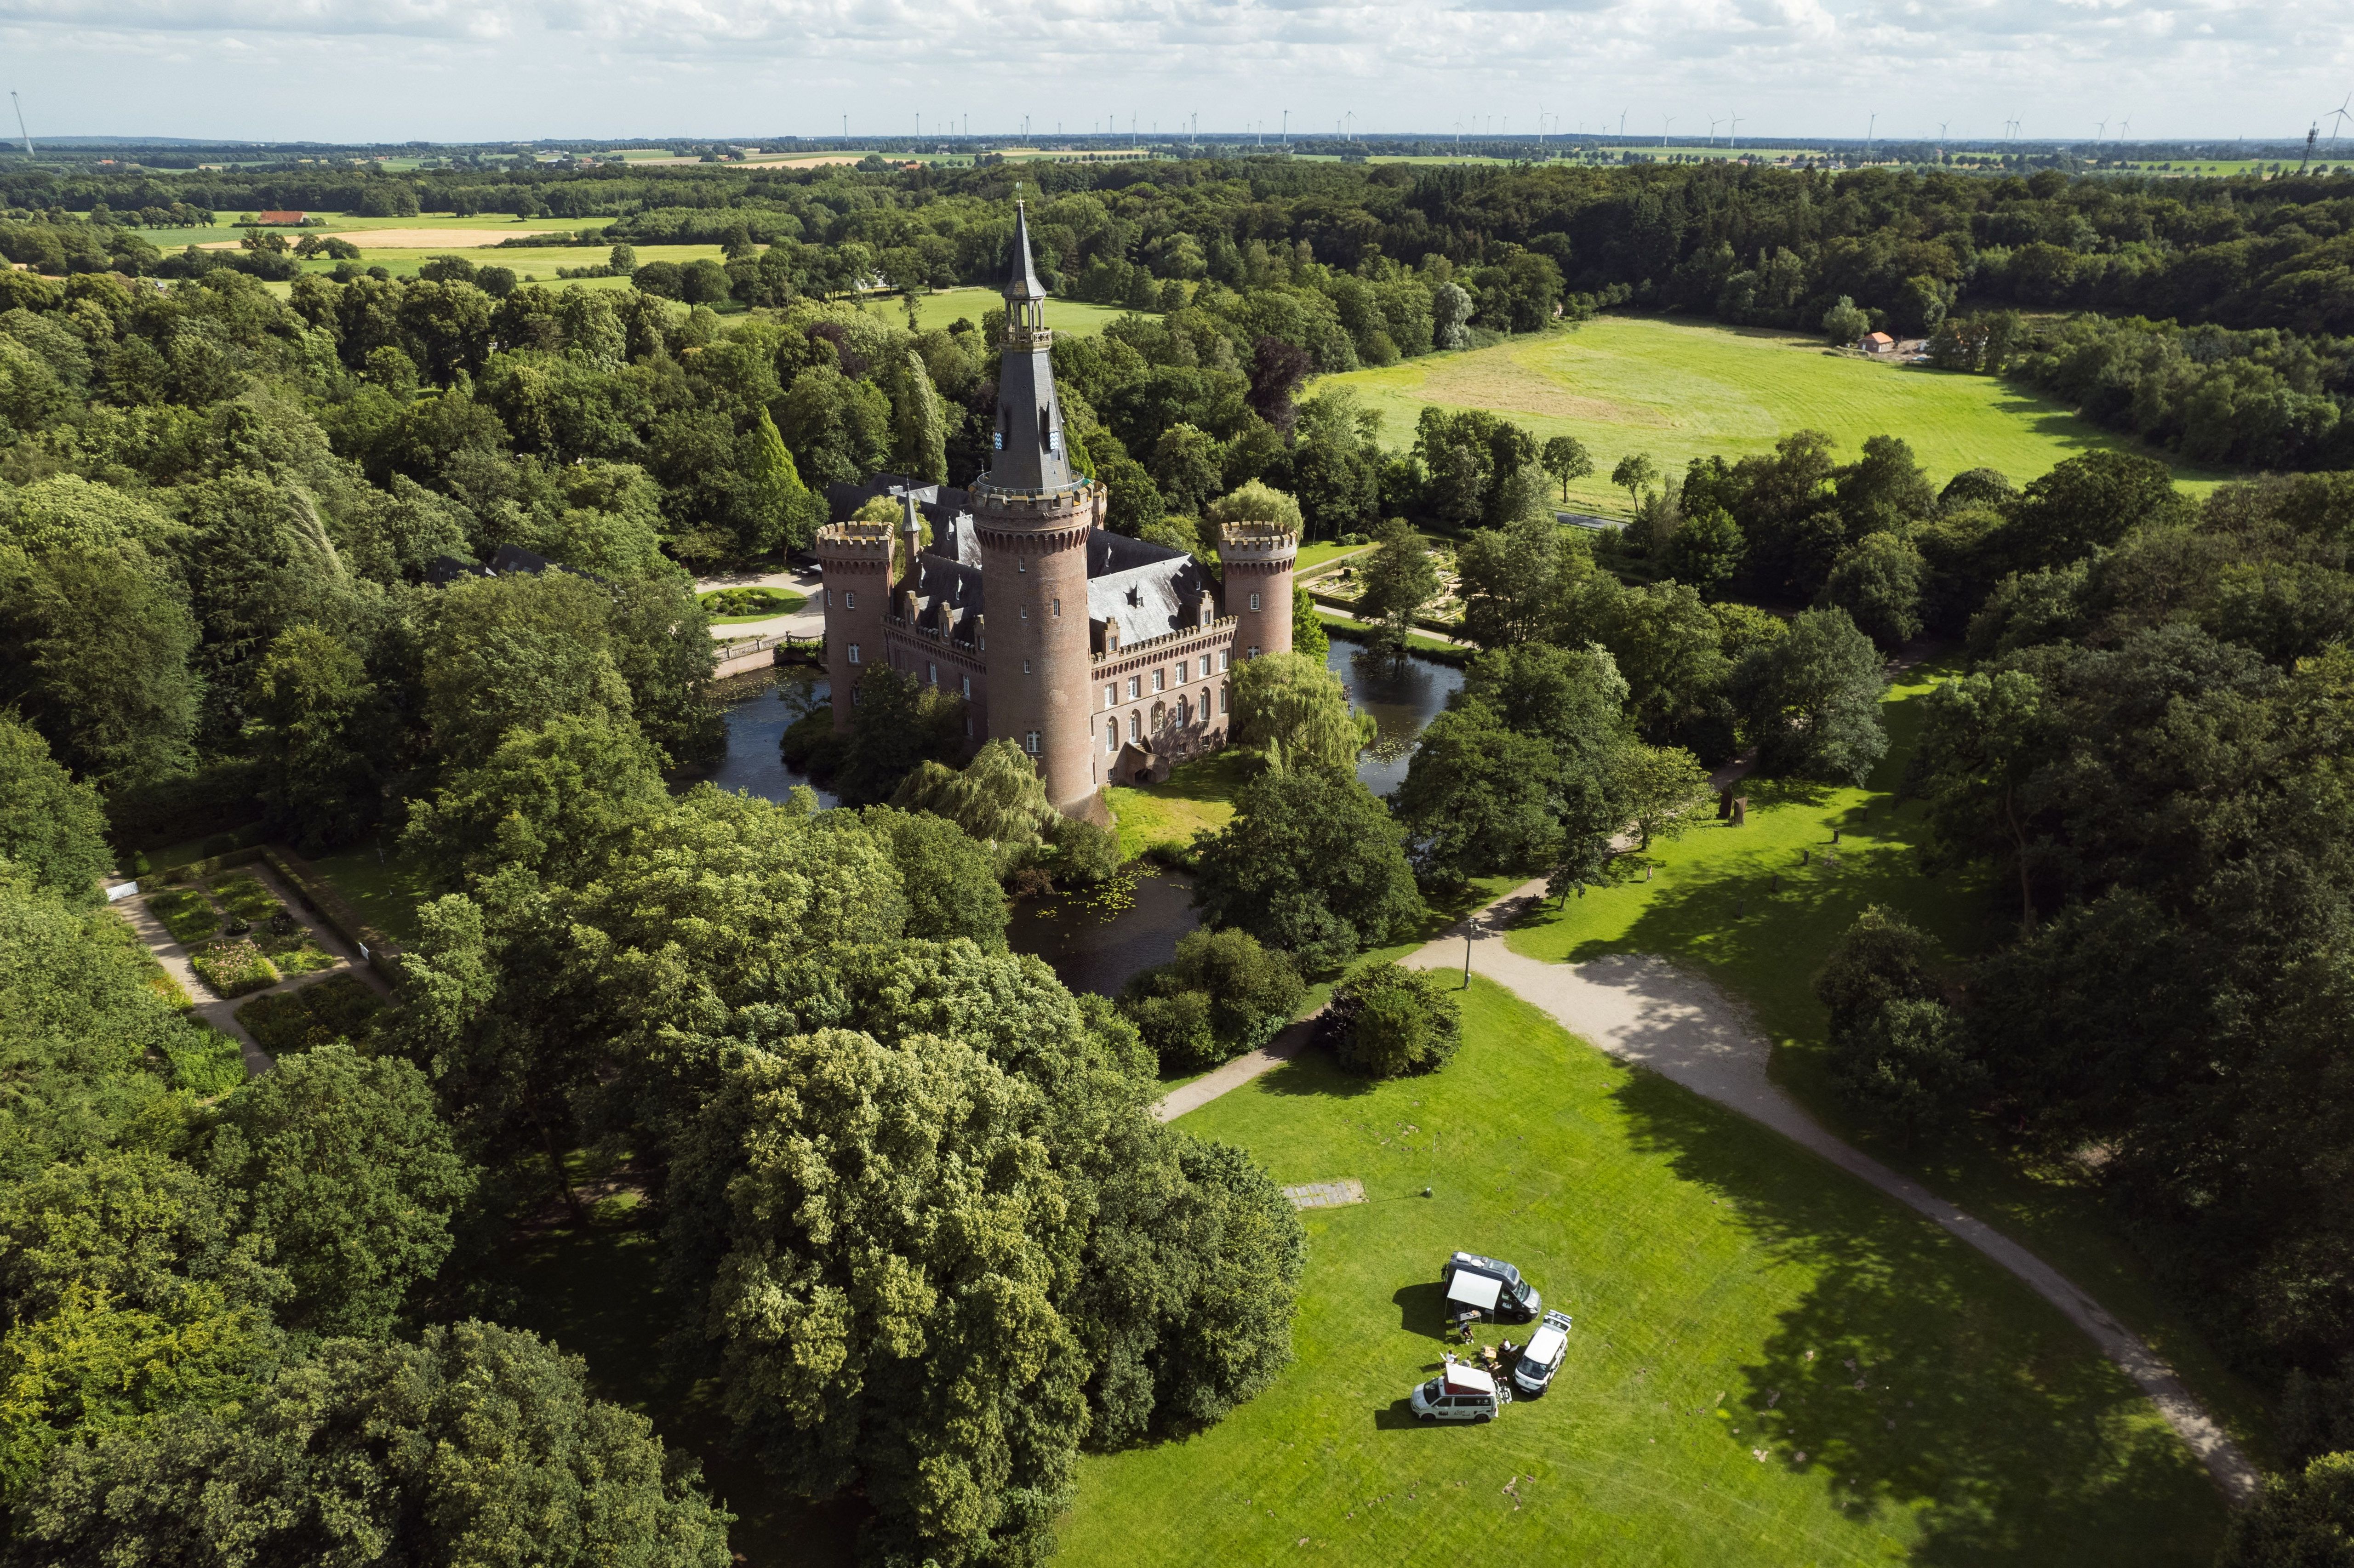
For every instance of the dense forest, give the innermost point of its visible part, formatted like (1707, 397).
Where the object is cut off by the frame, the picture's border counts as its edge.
(906, 1189)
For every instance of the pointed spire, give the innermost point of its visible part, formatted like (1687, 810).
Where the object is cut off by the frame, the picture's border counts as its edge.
(1022, 283)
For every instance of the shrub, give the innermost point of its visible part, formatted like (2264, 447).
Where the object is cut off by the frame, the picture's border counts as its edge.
(1085, 853)
(234, 969)
(1223, 994)
(2304, 1521)
(336, 1009)
(1897, 1049)
(205, 1062)
(1387, 1021)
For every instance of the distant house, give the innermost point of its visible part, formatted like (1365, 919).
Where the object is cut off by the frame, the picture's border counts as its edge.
(1877, 343)
(283, 219)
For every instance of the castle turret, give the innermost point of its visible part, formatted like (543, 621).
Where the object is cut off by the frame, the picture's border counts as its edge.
(854, 561)
(1258, 559)
(1032, 515)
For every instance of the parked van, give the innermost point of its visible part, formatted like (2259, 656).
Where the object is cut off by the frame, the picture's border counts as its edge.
(1542, 1356)
(1460, 1393)
(1488, 1287)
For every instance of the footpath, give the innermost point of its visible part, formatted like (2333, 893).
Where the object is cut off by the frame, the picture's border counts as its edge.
(1645, 1011)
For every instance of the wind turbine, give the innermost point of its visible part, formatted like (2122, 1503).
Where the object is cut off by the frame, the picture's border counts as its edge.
(1733, 137)
(27, 135)
(1871, 127)
(2338, 114)
(1713, 124)
(1665, 121)
(1622, 125)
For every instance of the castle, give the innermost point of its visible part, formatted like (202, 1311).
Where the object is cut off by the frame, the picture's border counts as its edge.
(1106, 658)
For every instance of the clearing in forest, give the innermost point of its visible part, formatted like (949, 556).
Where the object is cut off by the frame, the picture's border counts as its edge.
(1678, 390)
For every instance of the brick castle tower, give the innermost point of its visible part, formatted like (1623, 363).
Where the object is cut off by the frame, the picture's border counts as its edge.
(1033, 513)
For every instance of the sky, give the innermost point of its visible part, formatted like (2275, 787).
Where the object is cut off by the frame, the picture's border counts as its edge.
(453, 70)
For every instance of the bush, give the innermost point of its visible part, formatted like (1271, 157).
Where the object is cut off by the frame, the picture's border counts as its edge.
(751, 601)
(1085, 853)
(1223, 994)
(339, 1008)
(234, 969)
(1387, 1021)
(2304, 1521)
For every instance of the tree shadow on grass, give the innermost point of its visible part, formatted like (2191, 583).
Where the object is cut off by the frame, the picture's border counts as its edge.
(1422, 1310)
(1314, 1071)
(1980, 1410)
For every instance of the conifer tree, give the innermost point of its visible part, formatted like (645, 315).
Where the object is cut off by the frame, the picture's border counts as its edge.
(918, 423)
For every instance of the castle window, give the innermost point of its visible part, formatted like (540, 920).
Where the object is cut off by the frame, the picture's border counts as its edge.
(931, 673)
(1205, 704)
(1111, 735)
(1223, 658)
(1132, 688)
(1025, 666)
(1111, 696)
(854, 652)
(1254, 653)
(966, 682)
(1184, 713)
(1021, 563)
(1030, 742)
(1253, 601)
(1225, 699)
(1058, 607)
(1135, 726)
(849, 600)
(968, 726)
(1160, 680)
(1025, 612)
(829, 599)
(1160, 717)
(1183, 666)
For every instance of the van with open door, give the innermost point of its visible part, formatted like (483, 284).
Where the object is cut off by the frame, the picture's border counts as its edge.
(1488, 1287)
(1542, 1357)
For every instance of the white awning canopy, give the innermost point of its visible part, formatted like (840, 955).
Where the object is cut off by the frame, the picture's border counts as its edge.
(1469, 1289)
(1462, 1379)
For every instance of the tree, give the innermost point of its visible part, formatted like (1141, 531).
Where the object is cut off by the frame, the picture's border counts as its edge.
(1223, 994)
(1308, 638)
(1398, 579)
(1512, 580)
(1896, 1051)
(1877, 581)
(1667, 646)
(321, 734)
(1634, 472)
(553, 799)
(1254, 501)
(2304, 1521)
(1310, 863)
(1294, 709)
(345, 1166)
(1187, 465)
(1884, 488)
(1387, 1021)
(52, 829)
(951, 881)
(516, 651)
(1812, 701)
(2083, 504)
(918, 422)
(998, 797)
(787, 512)
(1663, 789)
(451, 1450)
(115, 694)
(1480, 797)
(1566, 458)
(898, 725)
(1844, 325)
(1981, 741)
(1706, 549)
(1450, 316)
(1336, 462)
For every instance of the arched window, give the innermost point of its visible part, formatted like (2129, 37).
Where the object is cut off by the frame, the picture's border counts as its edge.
(1253, 601)
(1160, 717)
(854, 652)
(1184, 713)
(1111, 735)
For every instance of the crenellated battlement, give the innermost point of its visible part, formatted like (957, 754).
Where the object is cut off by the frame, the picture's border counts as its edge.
(854, 539)
(1261, 544)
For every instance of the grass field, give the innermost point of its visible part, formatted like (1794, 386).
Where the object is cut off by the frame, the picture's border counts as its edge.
(385, 890)
(1197, 796)
(1729, 1292)
(943, 306)
(1677, 391)
(1766, 956)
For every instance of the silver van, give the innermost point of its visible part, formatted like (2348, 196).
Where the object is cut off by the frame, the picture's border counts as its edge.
(1460, 1393)
(1542, 1357)
(1488, 1287)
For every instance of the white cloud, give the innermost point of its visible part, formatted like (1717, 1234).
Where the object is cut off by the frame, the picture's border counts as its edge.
(436, 70)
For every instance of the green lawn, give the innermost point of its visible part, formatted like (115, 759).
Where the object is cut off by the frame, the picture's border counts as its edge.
(1714, 904)
(385, 891)
(939, 309)
(1676, 391)
(751, 604)
(1722, 1281)
(1313, 557)
(1196, 796)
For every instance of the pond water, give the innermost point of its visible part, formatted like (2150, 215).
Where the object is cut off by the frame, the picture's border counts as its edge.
(754, 728)
(1403, 695)
(1096, 942)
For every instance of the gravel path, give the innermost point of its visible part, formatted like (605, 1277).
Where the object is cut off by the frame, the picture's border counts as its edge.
(1644, 1010)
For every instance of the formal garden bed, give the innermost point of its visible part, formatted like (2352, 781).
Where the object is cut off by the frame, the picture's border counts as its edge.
(239, 937)
(338, 1008)
(756, 603)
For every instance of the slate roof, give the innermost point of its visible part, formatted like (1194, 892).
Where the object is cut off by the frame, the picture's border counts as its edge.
(1146, 590)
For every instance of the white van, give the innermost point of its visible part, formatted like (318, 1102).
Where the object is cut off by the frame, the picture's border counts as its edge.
(1460, 1393)
(1544, 1354)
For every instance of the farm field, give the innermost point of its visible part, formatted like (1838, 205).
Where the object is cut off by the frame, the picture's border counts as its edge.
(543, 262)
(1757, 909)
(1677, 391)
(1730, 1293)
